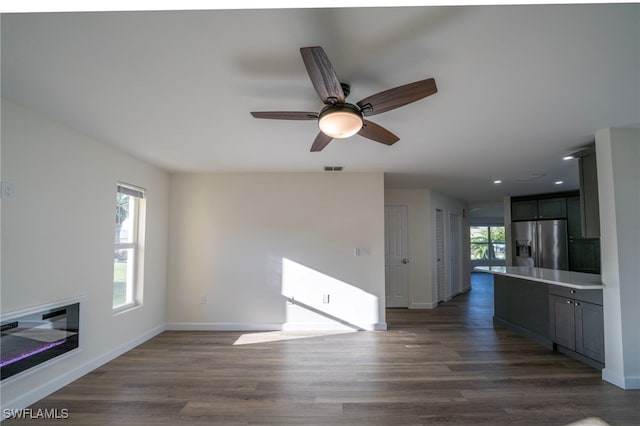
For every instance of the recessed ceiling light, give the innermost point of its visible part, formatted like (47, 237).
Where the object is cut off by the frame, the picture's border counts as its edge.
(497, 181)
(568, 157)
(559, 182)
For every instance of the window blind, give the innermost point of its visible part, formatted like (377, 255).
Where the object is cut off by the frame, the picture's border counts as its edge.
(134, 191)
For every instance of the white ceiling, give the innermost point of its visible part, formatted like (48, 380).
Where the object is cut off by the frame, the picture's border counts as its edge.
(519, 87)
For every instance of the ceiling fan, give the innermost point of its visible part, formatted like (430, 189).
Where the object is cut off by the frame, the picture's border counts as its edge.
(340, 119)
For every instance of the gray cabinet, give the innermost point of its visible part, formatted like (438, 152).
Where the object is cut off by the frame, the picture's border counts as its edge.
(574, 218)
(563, 328)
(589, 330)
(552, 208)
(547, 208)
(524, 210)
(589, 194)
(584, 253)
(576, 323)
(561, 318)
(522, 305)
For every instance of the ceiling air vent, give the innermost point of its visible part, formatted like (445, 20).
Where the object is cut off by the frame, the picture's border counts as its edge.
(532, 176)
(332, 168)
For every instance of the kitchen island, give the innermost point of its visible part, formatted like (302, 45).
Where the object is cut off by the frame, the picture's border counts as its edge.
(561, 310)
(578, 280)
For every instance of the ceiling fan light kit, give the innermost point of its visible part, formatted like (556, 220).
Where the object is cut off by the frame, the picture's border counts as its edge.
(339, 119)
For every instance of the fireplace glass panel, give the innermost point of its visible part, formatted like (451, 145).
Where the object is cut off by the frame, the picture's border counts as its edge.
(29, 340)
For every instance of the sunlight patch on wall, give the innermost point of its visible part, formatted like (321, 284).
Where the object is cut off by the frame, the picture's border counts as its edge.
(316, 300)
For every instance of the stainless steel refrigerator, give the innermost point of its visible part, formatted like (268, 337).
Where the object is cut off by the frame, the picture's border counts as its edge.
(541, 243)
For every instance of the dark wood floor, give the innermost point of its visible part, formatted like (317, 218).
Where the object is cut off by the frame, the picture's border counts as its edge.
(443, 366)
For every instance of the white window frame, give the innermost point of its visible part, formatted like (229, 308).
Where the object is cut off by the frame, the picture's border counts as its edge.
(490, 250)
(134, 274)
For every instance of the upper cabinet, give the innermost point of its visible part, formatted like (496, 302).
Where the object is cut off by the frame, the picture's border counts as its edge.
(552, 208)
(574, 218)
(589, 207)
(524, 210)
(539, 209)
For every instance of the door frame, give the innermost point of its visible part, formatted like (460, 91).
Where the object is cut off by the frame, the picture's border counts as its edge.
(443, 258)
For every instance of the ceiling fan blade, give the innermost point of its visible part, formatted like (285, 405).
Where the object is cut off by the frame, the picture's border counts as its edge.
(397, 97)
(286, 115)
(377, 133)
(321, 141)
(322, 75)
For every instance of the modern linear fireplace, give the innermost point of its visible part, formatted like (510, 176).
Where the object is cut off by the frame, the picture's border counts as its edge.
(36, 337)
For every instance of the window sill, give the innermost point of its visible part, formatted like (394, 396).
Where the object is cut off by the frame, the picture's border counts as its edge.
(125, 308)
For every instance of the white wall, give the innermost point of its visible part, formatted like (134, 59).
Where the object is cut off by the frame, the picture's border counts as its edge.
(618, 158)
(246, 243)
(58, 236)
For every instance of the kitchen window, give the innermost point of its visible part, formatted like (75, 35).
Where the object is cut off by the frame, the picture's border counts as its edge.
(487, 242)
(127, 254)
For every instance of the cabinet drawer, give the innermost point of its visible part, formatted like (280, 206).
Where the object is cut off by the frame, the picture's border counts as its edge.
(591, 296)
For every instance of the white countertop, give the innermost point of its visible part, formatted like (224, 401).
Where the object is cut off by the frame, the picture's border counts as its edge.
(571, 279)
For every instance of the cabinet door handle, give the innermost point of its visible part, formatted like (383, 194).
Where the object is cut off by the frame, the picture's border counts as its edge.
(577, 303)
(569, 302)
(573, 292)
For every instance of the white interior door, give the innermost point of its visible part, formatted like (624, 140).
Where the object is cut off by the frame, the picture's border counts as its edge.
(396, 247)
(439, 260)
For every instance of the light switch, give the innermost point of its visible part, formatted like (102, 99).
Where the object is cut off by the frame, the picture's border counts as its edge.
(8, 191)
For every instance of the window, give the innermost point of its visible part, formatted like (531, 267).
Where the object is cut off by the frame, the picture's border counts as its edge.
(127, 255)
(487, 242)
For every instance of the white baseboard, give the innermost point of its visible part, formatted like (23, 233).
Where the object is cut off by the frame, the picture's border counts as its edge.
(380, 326)
(632, 382)
(218, 326)
(619, 380)
(48, 388)
(222, 326)
(423, 305)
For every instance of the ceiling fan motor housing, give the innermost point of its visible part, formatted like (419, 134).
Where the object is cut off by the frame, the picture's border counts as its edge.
(346, 88)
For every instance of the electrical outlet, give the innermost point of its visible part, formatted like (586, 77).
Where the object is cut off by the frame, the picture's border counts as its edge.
(361, 251)
(203, 300)
(326, 298)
